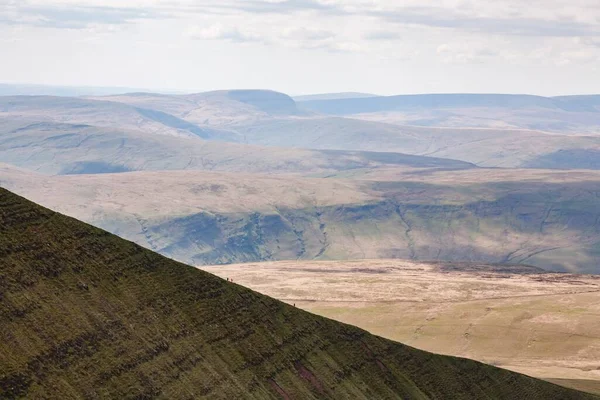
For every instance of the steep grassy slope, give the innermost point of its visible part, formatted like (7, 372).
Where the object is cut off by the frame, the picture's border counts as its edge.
(86, 314)
(550, 219)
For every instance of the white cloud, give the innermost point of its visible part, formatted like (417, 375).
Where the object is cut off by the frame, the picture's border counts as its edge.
(303, 33)
(382, 35)
(390, 44)
(220, 32)
(462, 52)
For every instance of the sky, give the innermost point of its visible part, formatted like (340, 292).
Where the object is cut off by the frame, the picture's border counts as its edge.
(544, 47)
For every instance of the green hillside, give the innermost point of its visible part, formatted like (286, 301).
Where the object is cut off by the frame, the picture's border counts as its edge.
(85, 314)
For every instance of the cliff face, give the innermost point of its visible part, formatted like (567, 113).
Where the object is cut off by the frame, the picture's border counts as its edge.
(85, 314)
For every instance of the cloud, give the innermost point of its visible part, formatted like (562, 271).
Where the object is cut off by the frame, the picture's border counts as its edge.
(563, 53)
(329, 45)
(72, 17)
(232, 30)
(557, 18)
(593, 42)
(303, 33)
(378, 27)
(435, 17)
(491, 45)
(382, 35)
(560, 18)
(277, 6)
(221, 32)
(465, 53)
(294, 38)
(346, 47)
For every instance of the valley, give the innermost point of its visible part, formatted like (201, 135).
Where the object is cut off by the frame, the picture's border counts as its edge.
(550, 219)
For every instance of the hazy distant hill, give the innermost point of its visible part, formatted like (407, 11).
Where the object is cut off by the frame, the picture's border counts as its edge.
(217, 109)
(61, 148)
(11, 89)
(567, 114)
(501, 144)
(221, 114)
(506, 148)
(567, 159)
(88, 315)
(542, 218)
(342, 106)
(273, 119)
(97, 113)
(579, 102)
(403, 102)
(333, 96)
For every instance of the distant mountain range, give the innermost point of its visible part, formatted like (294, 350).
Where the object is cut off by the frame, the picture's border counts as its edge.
(273, 119)
(549, 219)
(403, 191)
(366, 104)
(236, 176)
(11, 89)
(333, 96)
(564, 114)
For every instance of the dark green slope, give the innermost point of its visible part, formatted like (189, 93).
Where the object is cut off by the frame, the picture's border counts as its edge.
(85, 314)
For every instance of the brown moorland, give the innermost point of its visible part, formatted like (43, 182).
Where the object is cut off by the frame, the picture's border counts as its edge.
(517, 317)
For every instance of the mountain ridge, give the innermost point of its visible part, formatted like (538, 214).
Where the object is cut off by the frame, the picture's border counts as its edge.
(87, 314)
(546, 218)
(59, 148)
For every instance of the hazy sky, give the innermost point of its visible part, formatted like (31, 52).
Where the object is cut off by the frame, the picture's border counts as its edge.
(306, 46)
